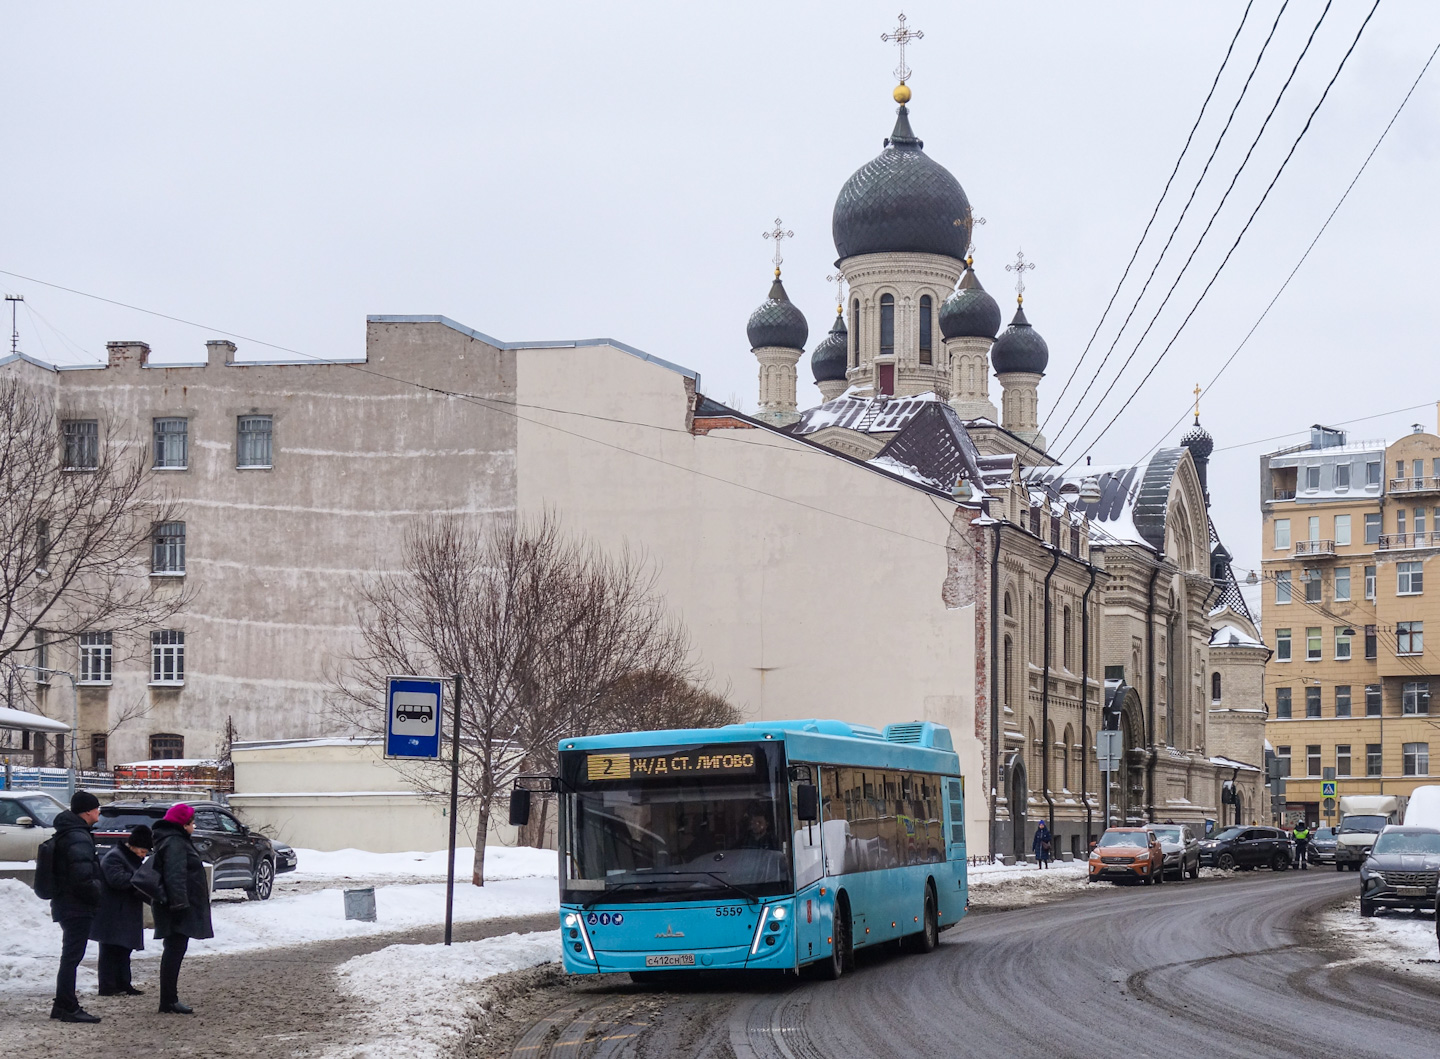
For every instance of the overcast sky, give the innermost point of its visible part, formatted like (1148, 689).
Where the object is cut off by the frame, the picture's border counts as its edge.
(582, 170)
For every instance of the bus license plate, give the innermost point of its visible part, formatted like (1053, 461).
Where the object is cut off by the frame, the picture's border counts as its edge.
(1410, 891)
(671, 959)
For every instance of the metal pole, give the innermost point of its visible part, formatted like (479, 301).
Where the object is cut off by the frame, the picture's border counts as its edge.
(454, 804)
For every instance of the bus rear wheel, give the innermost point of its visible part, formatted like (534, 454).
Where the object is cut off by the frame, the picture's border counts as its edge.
(929, 934)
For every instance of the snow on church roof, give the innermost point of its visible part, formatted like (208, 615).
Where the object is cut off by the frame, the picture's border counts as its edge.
(870, 415)
(1231, 636)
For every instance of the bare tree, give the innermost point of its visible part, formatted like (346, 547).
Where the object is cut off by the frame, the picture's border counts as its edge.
(72, 538)
(545, 633)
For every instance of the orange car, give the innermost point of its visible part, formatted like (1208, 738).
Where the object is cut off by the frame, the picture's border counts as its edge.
(1128, 853)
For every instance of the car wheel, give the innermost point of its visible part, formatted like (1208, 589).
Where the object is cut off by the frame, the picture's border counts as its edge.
(1279, 862)
(1195, 871)
(929, 935)
(1367, 908)
(1339, 866)
(1225, 862)
(264, 882)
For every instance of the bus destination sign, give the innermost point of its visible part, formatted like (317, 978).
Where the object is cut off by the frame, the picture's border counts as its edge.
(699, 761)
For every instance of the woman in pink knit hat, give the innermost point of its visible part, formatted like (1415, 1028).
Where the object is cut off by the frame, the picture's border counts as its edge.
(185, 911)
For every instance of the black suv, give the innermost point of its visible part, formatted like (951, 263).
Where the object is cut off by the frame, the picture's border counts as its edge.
(1248, 847)
(243, 859)
(1402, 870)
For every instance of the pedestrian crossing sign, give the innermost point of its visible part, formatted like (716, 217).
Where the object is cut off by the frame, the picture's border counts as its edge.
(1327, 789)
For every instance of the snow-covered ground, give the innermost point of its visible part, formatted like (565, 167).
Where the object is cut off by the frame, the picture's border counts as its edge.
(1398, 941)
(418, 998)
(1023, 884)
(520, 882)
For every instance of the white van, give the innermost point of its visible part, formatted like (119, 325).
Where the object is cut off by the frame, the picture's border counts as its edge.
(1423, 809)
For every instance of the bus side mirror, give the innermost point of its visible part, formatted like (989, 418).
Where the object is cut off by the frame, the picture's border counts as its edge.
(807, 802)
(519, 807)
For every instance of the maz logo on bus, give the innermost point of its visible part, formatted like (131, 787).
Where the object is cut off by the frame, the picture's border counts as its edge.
(729, 910)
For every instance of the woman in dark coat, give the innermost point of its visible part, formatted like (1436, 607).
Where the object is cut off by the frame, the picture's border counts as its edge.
(185, 913)
(119, 925)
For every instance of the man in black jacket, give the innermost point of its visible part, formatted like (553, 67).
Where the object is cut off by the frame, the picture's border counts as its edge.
(78, 889)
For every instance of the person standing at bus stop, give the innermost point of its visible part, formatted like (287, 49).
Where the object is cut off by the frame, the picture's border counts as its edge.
(185, 912)
(1042, 845)
(77, 897)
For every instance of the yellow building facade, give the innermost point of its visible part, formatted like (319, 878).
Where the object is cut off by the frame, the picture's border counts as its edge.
(1348, 532)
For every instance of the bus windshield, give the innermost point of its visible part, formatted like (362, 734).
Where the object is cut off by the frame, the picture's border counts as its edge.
(676, 822)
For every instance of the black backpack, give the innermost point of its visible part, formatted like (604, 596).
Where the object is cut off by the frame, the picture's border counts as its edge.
(46, 885)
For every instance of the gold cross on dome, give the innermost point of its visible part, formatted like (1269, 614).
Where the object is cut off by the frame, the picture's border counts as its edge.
(838, 278)
(1197, 392)
(1019, 268)
(778, 233)
(902, 35)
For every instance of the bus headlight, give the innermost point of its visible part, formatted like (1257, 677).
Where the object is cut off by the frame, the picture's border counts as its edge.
(777, 913)
(570, 919)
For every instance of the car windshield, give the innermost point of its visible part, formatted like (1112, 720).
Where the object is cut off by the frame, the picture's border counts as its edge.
(1228, 834)
(1351, 824)
(1124, 838)
(1167, 834)
(43, 809)
(1398, 842)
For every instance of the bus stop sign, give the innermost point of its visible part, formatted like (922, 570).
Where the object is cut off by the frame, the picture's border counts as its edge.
(412, 717)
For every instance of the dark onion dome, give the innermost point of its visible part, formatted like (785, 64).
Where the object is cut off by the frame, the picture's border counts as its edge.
(970, 312)
(777, 322)
(1198, 440)
(832, 355)
(1020, 348)
(902, 200)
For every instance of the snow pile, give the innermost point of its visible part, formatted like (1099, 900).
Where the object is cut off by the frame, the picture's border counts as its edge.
(1024, 884)
(1398, 941)
(415, 996)
(501, 862)
(30, 942)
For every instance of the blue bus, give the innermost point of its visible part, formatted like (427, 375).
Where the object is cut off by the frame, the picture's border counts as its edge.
(774, 845)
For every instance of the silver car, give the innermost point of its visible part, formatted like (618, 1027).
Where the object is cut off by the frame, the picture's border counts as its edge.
(1181, 849)
(27, 818)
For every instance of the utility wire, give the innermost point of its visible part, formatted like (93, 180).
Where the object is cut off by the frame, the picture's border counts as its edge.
(1244, 89)
(1156, 211)
(1229, 253)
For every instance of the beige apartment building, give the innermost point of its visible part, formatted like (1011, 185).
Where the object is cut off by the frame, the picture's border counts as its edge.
(1349, 528)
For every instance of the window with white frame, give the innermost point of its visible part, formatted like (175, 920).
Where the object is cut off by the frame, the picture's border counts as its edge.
(1312, 528)
(1313, 646)
(253, 441)
(1419, 522)
(1312, 760)
(1343, 633)
(1372, 472)
(1282, 533)
(82, 444)
(1282, 704)
(1312, 478)
(1342, 476)
(168, 548)
(1374, 759)
(95, 653)
(1369, 582)
(1310, 578)
(1400, 522)
(1409, 578)
(1342, 584)
(167, 656)
(1417, 759)
(1342, 759)
(1372, 528)
(1342, 529)
(1312, 701)
(1282, 586)
(1372, 639)
(1373, 700)
(1282, 754)
(172, 442)
(1282, 645)
(1342, 700)
(1415, 698)
(1409, 637)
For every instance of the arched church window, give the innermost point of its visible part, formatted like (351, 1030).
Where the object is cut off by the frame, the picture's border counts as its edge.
(1007, 673)
(1066, 637)
(926, 353)
(1215, 687)
(1009, 607)
(887, 324)
(855, 333)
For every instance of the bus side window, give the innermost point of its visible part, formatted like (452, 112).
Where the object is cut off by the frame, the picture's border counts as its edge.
(957, 811)
(834, 826)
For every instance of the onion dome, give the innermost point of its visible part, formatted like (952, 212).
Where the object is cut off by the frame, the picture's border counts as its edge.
(970, 312)
(1020, 348)
(777, 322)
(1198, 440)
(832, 355)
(900, 201)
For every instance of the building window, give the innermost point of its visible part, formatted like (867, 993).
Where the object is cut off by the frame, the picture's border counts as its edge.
(1342, 759)
(1372, 700)
(1372, 472)
(95, 651)
(1342, 642)
(167, 747)
(1342, 700)
(1370, 642)
(1313, 647)
(1342, 477)
(99, 758)
(1312, 528)
(1409, 578)
(1342, 529)
(1282, 533)
(1282, 586)
(1372, 528)
(1282, 645)
(1417, 759)
(167, 656)
(925, 330)
(1282, 757)
(1373, 759)
(1342, 584)
(1312, 478)
(1310, 578)
(82, 444)
(1006, 673)
(1282, 704)
(253, 441)
(1215, 686)
(1419, 524)
(1312, 760)
(1399, 468)
(168, 548)
(887, 324)
(1312, 701)
(1400, 522)
(1415, 698)
(172, 442)
(1066, 639)
(1009, 607)
(1409, 637)
(1369, 582)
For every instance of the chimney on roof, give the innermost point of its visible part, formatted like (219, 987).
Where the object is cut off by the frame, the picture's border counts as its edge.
(219, 352)
(128, 353)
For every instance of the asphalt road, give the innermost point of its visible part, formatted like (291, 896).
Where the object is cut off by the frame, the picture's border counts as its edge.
(1225, 967)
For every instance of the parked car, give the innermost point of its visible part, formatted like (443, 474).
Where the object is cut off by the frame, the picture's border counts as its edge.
(1129, 853)
(1248, 847)
(27, 819)
(243, 859)
(285, 858)
(1402, 869)
(1322, 845)
(1181, 849)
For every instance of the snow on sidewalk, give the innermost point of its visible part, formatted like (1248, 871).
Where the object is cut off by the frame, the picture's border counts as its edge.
(1024, 884)
(1397, 941)
(501, 862)
(415, 997)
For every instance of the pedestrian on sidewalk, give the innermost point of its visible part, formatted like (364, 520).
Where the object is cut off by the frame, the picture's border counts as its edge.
(119, 925)
(1042, 845)
(77, 898)
(185, 913)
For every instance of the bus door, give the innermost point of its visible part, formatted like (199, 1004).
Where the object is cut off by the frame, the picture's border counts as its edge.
(811, 916)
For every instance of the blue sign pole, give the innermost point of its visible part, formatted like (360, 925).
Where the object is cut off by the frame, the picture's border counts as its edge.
(454, 808)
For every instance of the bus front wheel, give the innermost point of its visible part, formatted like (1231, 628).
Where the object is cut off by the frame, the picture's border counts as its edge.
(841, 955)
(929, 934)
